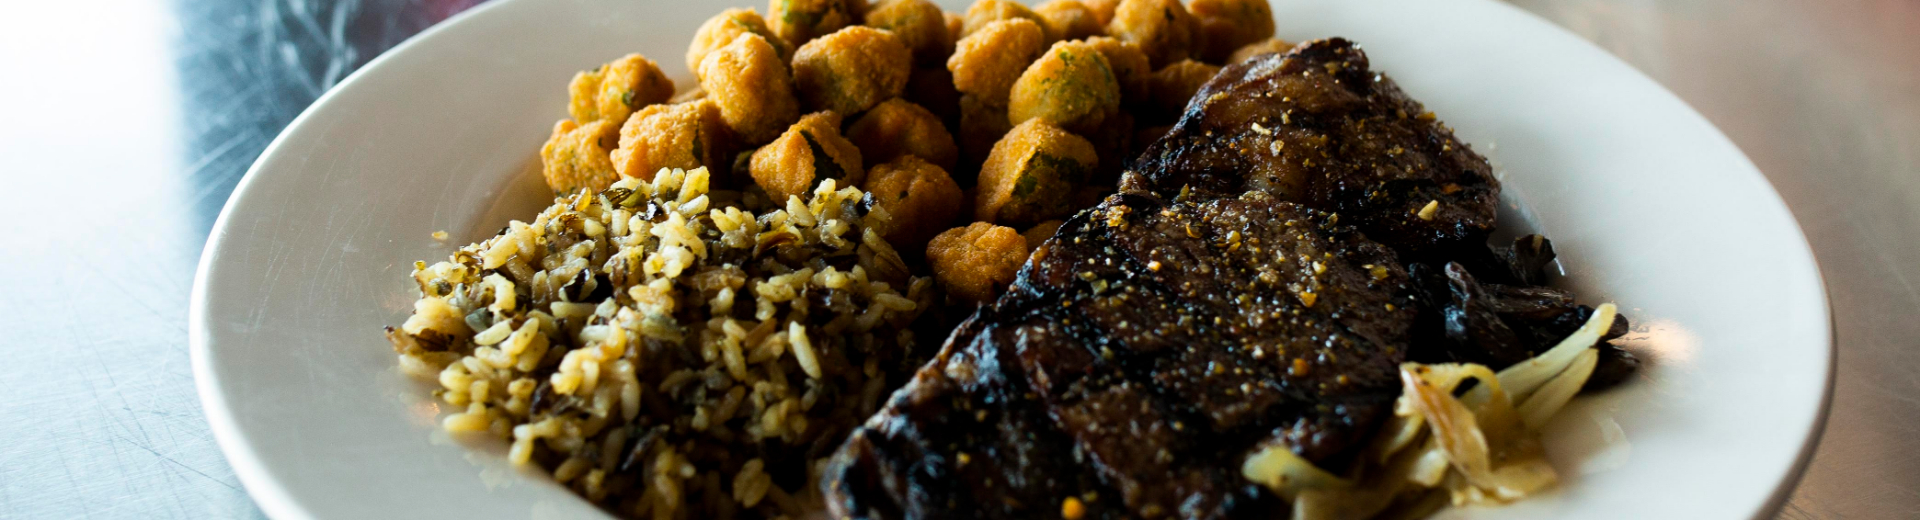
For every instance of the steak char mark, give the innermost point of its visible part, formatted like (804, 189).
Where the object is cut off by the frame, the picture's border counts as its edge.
(1316, 126)
(1143, 352)
(1225, 300)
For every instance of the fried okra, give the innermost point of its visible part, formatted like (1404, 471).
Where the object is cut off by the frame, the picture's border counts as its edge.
(750, 85)
(897, 127)
(1070, 86)
(1228, 25)
(851, 70)
(722, 29)
(919, 24)
(1068, 20)
(919, 196)
(1162, 28)
(985, 12)
(986, 62)
(810, 150)
(800, 21)
(686, 135)
(1267, 46)
(1174, 85)
(1032, 174)
(1129, 65)
(1102, 10)
(975, 263)
(615, 90)
(576, 156)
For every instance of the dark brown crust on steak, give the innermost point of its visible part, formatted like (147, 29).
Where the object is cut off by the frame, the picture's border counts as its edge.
(1225, 299)
(1144, 351)
(1314, 125)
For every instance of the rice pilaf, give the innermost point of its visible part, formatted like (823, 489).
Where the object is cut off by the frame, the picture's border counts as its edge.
(668, 356)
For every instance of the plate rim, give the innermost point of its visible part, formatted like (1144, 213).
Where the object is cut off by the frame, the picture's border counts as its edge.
(1783, 491)
(276, 501)
(271, 495)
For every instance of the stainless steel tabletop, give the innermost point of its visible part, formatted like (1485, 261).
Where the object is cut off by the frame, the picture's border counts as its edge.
(127, 123)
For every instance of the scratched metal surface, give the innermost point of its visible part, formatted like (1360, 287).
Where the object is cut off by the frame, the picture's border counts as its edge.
(128, 123)
(1825, 97)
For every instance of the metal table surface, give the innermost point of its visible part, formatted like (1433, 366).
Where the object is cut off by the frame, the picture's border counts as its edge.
(128, 123)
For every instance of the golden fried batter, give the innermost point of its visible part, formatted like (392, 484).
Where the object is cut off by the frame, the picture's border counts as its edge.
(918, 195)
(792, 164)
(1070, 86)
(750, 85)
(1129, 65)
(1068, 20)
(986, 62)
(1032, 174)
(851, 70)
(687, 135)
(898, 127)
(984, 12)
(576, 156)
(800, 21)
(721, 30)
(1102, 10)
(1163, 29)
(975, 263)
(615, 90)
(919, 24)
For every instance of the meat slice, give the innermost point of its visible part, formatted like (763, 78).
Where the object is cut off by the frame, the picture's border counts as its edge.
(1314, 125)
(1142, 354)
(961, 440)
(1224, 300)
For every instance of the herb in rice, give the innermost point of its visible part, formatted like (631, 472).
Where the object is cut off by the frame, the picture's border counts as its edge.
(666, 356)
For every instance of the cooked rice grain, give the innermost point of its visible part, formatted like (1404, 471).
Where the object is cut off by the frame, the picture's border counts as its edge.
(668, 360)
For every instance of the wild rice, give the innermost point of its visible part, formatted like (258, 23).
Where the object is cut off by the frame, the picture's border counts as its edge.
(635, 342)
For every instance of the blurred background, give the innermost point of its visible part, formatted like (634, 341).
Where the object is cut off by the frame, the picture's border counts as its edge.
(127, 124)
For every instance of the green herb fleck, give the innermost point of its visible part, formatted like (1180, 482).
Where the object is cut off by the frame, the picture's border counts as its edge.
(799, 18)
(1025, 186)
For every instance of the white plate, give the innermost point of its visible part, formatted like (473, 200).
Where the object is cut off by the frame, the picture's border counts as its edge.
(1647, 203)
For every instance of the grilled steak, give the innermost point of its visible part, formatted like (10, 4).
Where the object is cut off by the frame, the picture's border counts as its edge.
(1316, 126)
(1142, 353)
(1227, 298)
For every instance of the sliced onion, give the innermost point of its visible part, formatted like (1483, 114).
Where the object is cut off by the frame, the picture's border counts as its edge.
(1523, 378)
(1277, 467)
(1400, 431)
(1431, 466)
(1476, 449)
(1541, 406)
(1452, 424)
